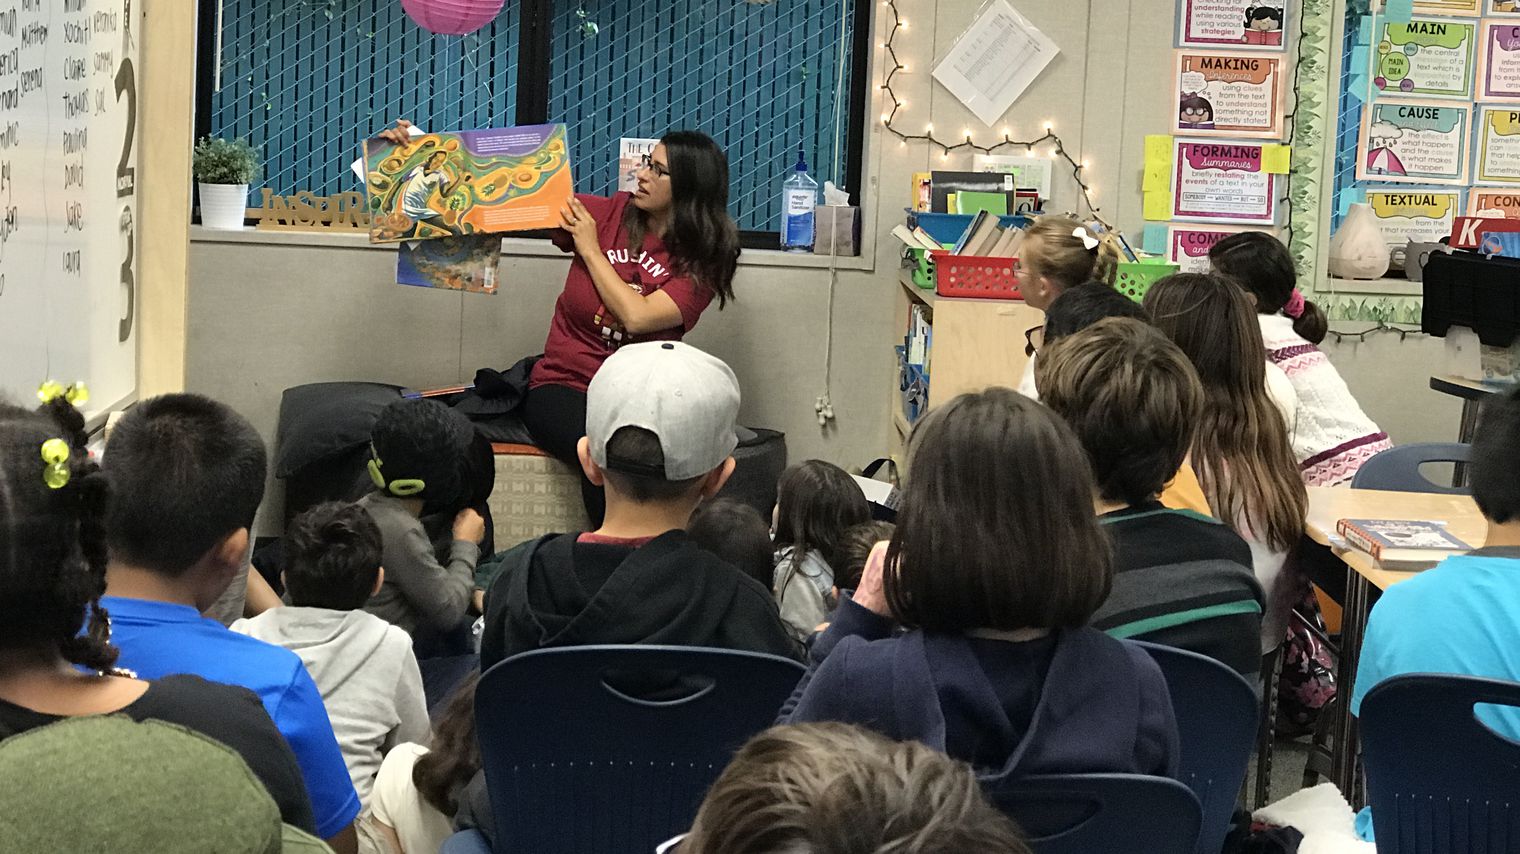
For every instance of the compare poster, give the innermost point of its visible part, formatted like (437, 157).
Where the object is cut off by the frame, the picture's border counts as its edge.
(471, 182)
(1188, 245)
(1251, 24)
(1423, 215)
(1426, 57)
(1229, 94)
(1493, 203)
(1498, 145)
(1499, 62)
(1223, 182)
(1422, 142)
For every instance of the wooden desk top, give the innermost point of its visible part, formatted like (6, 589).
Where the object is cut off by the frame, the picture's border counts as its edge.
(1330, 504)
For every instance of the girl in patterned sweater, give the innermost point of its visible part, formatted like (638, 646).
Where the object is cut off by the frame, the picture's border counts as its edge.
(1331, 435)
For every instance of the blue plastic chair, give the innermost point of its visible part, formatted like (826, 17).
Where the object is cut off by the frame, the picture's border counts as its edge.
(1398, 469)
(1217, 718)
(1439, 780)
(1090, 813)
(576, 765)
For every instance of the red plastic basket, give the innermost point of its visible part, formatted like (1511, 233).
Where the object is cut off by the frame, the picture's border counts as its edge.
(975, 277)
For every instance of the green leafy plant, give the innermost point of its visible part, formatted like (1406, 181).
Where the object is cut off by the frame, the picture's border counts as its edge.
(225, 161)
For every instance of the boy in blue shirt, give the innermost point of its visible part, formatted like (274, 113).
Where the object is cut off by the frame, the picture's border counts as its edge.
(1463, 616)
(187, 476)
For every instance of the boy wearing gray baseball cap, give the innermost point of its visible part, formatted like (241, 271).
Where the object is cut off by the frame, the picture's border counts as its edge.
(659, 437)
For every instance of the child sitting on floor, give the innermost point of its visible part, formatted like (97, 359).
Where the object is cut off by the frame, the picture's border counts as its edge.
(815, 502)
(416, 448)
(363, 666)
(736, 532)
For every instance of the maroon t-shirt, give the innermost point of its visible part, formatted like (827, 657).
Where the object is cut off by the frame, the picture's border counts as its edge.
(583, 332)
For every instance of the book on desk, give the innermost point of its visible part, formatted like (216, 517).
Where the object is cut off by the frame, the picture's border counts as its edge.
(1407, 544)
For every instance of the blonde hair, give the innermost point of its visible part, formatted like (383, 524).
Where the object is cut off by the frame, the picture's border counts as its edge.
(1063, 258)
(831, 788)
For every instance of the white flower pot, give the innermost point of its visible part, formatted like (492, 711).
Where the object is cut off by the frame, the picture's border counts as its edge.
(223, 205)
(1358, 250)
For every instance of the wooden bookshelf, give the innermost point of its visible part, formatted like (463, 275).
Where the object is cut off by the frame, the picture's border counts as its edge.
(977, 343)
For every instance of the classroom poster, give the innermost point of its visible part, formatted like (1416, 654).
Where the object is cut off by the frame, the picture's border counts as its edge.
(1501, 7)
(1499, 62)
(1422, 142)
(1468, 8)
(1229, 94)
(1498, 149)
(1188, 245)
(1249, 24)
(1222, 182)
(1424, 215)
(1426, 57)
(1493, 203)
(470, 182)
(631, 154)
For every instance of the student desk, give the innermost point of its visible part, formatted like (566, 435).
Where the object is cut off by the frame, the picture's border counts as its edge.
(1328, 505)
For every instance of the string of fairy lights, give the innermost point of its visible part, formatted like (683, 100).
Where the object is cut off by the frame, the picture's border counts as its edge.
(895, 103)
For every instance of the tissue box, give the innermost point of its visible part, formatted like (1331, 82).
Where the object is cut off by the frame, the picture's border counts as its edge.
(838, 230)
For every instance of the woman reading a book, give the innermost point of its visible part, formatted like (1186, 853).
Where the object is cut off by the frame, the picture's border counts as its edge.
(646, 265)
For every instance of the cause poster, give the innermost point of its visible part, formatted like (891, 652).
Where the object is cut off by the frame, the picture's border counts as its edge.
(1421, 142)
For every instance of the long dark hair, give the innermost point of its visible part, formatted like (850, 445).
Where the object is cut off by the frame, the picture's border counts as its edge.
(52, 540)
(818, 501)
(454, 756)
(1259, 262)
(1241, 450)
(996, 528)
(702, 239)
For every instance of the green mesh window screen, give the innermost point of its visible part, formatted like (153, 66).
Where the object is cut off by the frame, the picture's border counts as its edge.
(308, 80)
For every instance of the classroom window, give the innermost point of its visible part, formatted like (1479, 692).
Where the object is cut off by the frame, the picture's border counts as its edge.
(308, 80)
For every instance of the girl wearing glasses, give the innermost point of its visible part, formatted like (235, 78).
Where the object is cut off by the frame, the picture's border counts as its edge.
(647, 264)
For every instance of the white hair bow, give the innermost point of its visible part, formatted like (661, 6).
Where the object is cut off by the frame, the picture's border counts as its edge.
(1088, 241)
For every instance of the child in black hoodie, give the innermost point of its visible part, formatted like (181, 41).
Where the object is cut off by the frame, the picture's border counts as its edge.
(660, 437)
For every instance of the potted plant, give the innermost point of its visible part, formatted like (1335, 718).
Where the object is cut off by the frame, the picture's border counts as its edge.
(223, 169)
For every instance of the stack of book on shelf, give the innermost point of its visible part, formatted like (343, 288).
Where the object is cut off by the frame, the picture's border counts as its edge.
(1401, 544)
(914, 370)
(986, 238)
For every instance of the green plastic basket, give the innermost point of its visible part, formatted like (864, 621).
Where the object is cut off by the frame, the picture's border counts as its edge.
(923, 268)
(1136, 277)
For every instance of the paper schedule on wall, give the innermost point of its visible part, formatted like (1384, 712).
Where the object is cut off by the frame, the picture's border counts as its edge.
(1229, 94)
(1249, 24)
(995, 60)
(1498, 148)
(1427, 57)
(1499, 62)
(1421, 142)
(1222, 182)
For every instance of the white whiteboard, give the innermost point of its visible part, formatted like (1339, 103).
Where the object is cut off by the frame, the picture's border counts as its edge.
(68, 203)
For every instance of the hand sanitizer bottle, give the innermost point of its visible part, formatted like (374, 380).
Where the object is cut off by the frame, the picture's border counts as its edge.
(799, 199)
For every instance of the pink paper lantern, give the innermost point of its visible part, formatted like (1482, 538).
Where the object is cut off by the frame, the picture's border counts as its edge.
(452, 17)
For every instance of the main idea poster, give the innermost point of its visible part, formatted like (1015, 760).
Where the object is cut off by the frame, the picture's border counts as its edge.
(1427, 57)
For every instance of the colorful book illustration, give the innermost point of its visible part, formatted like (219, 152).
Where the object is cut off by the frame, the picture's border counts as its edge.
(1401, 543)
(466, 263)
(470, 182)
